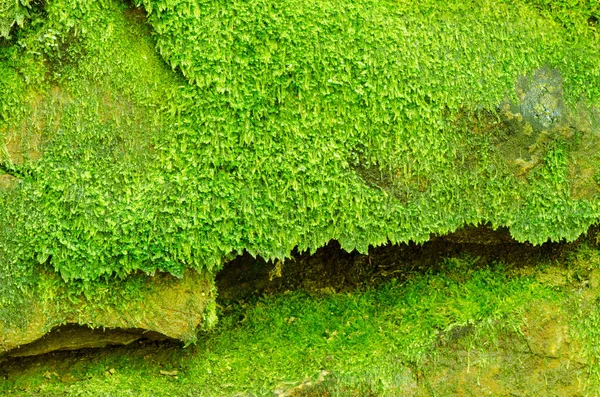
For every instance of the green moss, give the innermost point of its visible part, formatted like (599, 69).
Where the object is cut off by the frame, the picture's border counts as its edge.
(467, 326)
(12, 13)
(281, 125)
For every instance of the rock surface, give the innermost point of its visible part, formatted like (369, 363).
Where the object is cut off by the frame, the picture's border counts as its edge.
(75, 338)
(171, 307)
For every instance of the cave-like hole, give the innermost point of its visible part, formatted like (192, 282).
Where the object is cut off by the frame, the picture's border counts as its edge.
(331, 269)
(77, 337)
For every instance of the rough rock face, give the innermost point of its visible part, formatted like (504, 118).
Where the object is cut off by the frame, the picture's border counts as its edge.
(72, 337)
(167, 305)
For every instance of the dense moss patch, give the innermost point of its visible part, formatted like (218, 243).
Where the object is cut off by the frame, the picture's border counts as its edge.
(442, 319)
(225, 126)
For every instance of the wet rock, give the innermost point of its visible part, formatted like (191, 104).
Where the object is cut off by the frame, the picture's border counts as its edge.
(548, 334)
(541, 98)
(75, 338)
(172, 307)
(524, 130)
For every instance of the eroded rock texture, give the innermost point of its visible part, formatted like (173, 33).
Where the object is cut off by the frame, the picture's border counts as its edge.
(166, 305)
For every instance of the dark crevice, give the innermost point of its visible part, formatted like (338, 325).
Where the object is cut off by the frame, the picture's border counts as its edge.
(14, 171)
(332, 270)
(150, 349)
(76, 337)
(327, 271)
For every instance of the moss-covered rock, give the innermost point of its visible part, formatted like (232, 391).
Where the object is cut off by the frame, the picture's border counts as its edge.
(170, 137)
(161, 304)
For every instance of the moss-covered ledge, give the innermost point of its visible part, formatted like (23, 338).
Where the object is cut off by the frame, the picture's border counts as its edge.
(164, 137)
(173, 307)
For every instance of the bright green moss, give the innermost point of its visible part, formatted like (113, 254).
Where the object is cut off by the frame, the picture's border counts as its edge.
(343, 87)
(12, 13)
(286, 124)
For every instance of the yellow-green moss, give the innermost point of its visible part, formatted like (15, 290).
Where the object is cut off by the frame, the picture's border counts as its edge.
(226, 126)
